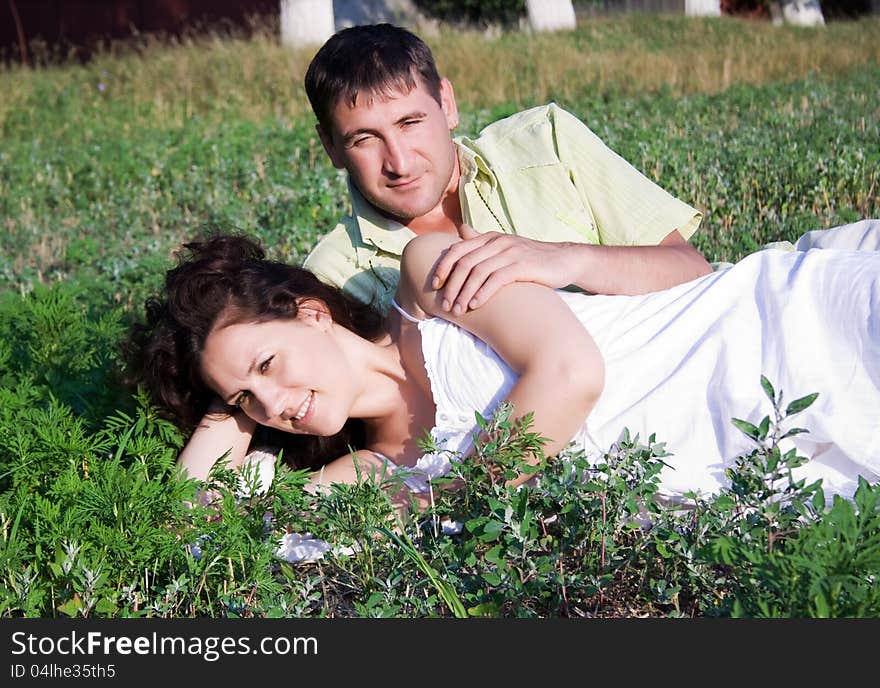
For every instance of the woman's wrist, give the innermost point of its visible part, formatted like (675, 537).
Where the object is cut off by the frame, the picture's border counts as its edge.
(223, 431)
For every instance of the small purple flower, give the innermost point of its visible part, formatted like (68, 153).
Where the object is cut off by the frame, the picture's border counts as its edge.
(101, 86)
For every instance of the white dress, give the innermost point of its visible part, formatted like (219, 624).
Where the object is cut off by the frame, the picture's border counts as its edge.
(681, 363)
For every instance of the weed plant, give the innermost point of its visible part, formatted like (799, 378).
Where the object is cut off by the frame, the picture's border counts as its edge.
(105, 168)
(95, 525)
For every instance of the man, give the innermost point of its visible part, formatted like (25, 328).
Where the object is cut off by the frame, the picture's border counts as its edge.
(535, 197)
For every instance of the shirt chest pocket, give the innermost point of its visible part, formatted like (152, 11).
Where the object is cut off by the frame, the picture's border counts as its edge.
(543, 203)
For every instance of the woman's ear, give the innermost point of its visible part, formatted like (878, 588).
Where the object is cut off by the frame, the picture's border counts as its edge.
(314, 312)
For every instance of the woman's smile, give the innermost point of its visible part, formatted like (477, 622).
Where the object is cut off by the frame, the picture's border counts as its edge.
(305, 407)
(298, 417)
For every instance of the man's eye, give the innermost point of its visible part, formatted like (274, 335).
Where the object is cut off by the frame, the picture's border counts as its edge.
(264, 366)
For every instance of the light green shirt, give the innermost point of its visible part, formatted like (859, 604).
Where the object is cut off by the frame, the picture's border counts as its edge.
(540, 173)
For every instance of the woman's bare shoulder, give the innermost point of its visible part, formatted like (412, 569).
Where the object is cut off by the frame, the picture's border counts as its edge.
(422, 253)
(417, 263)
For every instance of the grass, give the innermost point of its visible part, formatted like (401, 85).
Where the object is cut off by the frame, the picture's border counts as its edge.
(254, 78)
(215, 131)
(107, 167)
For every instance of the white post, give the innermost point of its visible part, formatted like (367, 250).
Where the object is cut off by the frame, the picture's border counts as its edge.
(802, 13)
(550, 15)
(702, 8)
(306, 22)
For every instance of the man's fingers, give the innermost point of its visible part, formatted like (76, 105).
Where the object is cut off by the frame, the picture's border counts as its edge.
(473, 270)
(496, 280)
(452, 284)
(468, 277)
(459, 273)
(452, 256)
(467, 232)
(444, 266)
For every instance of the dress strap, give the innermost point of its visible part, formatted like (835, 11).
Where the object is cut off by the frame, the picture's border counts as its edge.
(400, 310)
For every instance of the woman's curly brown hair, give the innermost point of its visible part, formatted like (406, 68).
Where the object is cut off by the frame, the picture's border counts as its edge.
(228, 276)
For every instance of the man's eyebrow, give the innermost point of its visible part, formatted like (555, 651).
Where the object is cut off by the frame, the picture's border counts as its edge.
(348, 136)
(418, 114)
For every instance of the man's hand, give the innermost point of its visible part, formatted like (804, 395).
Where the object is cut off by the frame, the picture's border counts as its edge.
(472, 270)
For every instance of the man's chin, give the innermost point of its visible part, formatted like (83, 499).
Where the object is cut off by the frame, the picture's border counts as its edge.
(404, 213)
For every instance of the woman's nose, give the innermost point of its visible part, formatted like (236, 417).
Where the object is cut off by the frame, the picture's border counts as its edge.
(274, 404)
(286, 413)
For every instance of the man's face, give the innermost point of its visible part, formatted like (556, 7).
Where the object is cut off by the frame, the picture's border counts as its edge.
(397, 150)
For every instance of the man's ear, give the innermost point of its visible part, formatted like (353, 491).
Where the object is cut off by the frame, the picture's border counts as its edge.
(314, 312)
(329, 147)
(448, 104)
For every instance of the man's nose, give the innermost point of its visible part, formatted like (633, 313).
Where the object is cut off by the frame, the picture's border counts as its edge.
(397, 156)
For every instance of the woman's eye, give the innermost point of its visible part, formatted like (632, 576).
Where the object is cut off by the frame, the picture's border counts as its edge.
(264, 366)
(241, 399)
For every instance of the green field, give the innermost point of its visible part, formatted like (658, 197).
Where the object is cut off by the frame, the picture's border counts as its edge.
(105, 168)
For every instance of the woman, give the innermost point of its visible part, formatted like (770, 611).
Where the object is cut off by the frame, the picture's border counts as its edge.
(251, 343)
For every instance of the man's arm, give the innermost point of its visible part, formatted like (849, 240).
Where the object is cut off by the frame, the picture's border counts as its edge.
(638, 269)
(641, 228)
(473, 270)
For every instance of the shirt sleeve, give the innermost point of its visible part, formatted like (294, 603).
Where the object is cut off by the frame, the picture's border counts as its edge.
(629, 209)
(332, 260)
(341, 260)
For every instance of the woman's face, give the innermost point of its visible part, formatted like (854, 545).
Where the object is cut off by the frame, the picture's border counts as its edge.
(286, 374)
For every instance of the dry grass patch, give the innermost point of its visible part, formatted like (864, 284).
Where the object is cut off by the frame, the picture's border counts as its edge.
(255, 77)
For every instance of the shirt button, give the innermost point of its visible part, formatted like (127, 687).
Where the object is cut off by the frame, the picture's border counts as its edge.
(463, 419)
(443, 416)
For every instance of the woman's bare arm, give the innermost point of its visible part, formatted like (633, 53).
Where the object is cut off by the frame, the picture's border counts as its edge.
(364, 465)
(221, 433)
(561, 371)
(218, 432)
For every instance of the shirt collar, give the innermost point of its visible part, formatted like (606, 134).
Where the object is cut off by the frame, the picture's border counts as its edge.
(390, 236)
(472, 164)
(378, 231)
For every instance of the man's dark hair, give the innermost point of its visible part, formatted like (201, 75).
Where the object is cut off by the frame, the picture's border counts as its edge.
(371, 60)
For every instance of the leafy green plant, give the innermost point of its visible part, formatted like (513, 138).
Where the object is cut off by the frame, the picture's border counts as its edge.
(789, 554)
(98, 188)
